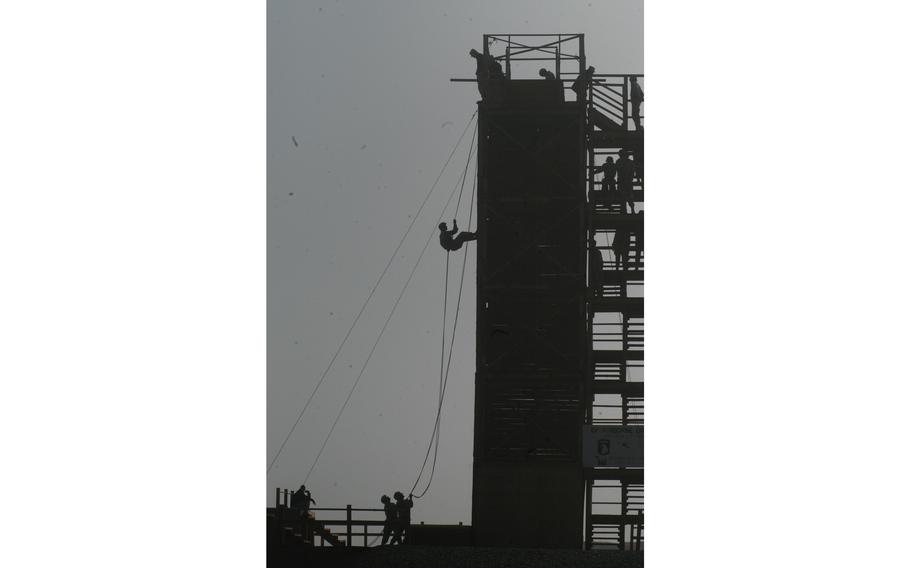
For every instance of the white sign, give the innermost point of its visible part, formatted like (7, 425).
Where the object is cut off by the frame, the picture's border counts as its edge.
(613, 446)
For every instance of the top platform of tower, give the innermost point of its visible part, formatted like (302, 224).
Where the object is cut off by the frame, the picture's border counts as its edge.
(526, 59)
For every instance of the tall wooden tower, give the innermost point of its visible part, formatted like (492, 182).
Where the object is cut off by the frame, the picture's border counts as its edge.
(559, 318)
(531, 315)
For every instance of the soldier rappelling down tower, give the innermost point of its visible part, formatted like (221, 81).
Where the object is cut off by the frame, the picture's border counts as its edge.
(449, 241)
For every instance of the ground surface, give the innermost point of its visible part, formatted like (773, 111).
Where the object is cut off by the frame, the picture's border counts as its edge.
(451, 557)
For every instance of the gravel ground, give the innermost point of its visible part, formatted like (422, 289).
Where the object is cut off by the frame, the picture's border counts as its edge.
(475, 557)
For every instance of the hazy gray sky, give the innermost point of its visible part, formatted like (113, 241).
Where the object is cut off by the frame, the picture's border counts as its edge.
(364, 89)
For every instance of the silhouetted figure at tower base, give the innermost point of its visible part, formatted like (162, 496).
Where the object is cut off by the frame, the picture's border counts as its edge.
(403, 509)
(449, 241)
(391, 518)
(301, 500)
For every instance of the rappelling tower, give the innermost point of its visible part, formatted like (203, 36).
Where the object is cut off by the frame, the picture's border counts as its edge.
(559, 327)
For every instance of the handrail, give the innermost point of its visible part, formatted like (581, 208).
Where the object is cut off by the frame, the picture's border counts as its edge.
(309, 527)
(344, 509)
(615, 94)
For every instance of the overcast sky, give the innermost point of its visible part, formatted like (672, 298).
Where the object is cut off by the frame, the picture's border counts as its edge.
(363, 87)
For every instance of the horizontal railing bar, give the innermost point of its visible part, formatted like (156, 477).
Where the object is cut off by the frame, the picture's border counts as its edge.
(344, 509)
(613, 104)
(566, 37)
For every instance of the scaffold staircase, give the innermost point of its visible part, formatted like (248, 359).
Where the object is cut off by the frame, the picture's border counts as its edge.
(615, 496)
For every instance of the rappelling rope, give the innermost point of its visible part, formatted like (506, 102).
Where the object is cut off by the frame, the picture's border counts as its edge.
(445, 381)
(442, 375)
(370, 296)
(382, 331)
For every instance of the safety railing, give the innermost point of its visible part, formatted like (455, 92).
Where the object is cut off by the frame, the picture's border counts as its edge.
(565, 51)
(635, 260)
(627, 335)
(321, 526)
(617, 410)
(610, 96)
(357, 526)
(616, 515)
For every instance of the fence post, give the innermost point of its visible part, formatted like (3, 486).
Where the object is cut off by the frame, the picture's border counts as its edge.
(350, 533)
(641, 521)
(365, 531)
(280, 532)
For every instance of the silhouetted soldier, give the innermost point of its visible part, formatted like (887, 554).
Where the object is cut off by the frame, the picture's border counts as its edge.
(625, 172)
(639, 161)
(488, 70)
(580, 85)
(391, 518)
(609, 171)
(639, 246)
(403, 508)
(547, 75)
(596, 260)
(620, 246)
(449, 241)
(301, 500)
(637, 97)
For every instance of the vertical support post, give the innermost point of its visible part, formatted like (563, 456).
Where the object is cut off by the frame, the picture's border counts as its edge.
(509, 57)
(624, 497)
(625, 102)
(581, 54)
(558, 49)
(280, 535)
(365, 531)
(349, 526)
(641, 520)
(589, 526)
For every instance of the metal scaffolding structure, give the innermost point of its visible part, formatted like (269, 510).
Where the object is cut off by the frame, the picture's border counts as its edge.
(560, 336)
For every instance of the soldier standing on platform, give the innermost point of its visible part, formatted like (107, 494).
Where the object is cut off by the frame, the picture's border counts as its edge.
(637, 97)
(625, 172)
(609, 171)
(488, 71)
(580, 86)
(403, 507)
(596, 262)
(548, 75)
(391, 518)
(620, 248)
